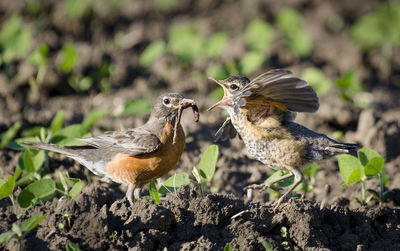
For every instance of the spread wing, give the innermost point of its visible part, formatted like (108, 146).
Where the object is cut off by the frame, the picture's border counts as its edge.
(280, 90)
(133, 142)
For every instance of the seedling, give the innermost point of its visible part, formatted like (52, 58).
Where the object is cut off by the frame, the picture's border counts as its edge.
(20, 230)
(70, 246)
(379, 29)
(70, 187)
(351, 90)
(39, 58)
(368, 164)
(207, 165)
(216, 44)
(134, 107)
(290, 23)
(36, 192)
(228, 247)
(317, 79)
(113, 236)
(69, 58)
(267, 246)
(259, 36)
(9, 134)
(152, 52)
(75, 9)
(15, 39)
(7, 190)
(250, 62)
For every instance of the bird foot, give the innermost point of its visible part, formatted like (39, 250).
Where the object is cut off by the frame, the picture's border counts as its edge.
(277, 203)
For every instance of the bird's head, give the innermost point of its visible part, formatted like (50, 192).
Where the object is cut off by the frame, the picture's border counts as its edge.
(169, 107)
(232, 86)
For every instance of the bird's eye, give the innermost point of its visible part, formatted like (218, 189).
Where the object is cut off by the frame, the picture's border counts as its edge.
(234, 87)
(166, 101)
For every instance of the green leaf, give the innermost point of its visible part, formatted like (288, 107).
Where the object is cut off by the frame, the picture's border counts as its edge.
(374, 166)
(74, 9)
(350, 168)
(185, 42)
(217, 71)
(366, 154)
(152, 52)
(288, 20)
(311, 170)
(10, 134)
(70, 246)
(285, 183)
(136, 107)
(80, 84)
(33, 131)
(317, 79)
(216, 44)
(29, 224)
(38, 160)
(40, 190)
(15, 39)
(77, 186)
(39, 56)
(67, 135)
(6, 236)
(174, 182)
(93, 117)
(300, 43)
(57, 121)
(70, 57)
(7, 188)
(217, 94)
(251, 61)
(267, 246)
(26, 179)
(208, 162)
(28, 161)
(155, 196)
(284, 232)
(259, 35)
(228, 247)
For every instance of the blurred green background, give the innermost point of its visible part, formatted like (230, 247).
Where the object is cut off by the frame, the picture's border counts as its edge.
(52, 48)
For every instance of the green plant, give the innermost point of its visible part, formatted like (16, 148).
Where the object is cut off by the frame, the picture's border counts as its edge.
(250, 62)
(351, 89)
(284, 234)
(216, 44)
(379, 28)
(267, 246)
(317, 79)
(134, 107)
(259, 35)
(7, 190)
(39, 58)
(290, 23)
(79, 83)
(69, 58)
(164, 4)
(20, 230)
(152, 52)
(113, 236)
(69, 186)
(307, 185)
(70, 246)
(15, 39)
(9, 134)
(75, 9)
(40, 190)
(207, 165)
(368, 164)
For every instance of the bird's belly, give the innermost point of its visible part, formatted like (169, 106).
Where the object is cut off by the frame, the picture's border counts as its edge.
(137, 170)
(276, 153)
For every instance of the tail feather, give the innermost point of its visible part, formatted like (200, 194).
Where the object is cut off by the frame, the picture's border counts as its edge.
(50, 147)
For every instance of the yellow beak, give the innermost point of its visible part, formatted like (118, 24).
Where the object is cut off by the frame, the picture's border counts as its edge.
(224, 100)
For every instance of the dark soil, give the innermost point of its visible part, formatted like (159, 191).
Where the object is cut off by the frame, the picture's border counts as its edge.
(328, 218)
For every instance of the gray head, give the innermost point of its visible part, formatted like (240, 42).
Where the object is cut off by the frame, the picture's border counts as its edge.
(167, 106)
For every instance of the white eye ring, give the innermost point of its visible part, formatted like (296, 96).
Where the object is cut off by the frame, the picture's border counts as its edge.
(166, 101)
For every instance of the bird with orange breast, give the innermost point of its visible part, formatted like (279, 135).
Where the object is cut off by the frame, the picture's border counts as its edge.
(138, 155)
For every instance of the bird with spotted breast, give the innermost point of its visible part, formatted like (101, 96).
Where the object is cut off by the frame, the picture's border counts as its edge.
(262, 112)
(134, 156)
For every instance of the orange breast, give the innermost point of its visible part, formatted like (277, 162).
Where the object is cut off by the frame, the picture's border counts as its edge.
(138, 170)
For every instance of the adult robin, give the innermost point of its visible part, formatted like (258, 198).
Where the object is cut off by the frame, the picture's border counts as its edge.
(138, 155)
(262, 112)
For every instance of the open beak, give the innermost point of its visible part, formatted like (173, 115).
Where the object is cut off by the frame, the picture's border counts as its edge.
(224, 100)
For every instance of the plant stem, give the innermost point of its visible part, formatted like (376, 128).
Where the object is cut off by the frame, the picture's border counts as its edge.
(363, 192)
(382, 187)
(201, 189)
(14, 206)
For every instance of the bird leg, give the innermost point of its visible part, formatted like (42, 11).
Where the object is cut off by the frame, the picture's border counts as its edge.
(298, 178)
(135, 191)
(268, 184)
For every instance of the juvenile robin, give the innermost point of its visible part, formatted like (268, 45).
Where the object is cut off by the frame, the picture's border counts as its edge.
(135, 156)
(262, 112)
